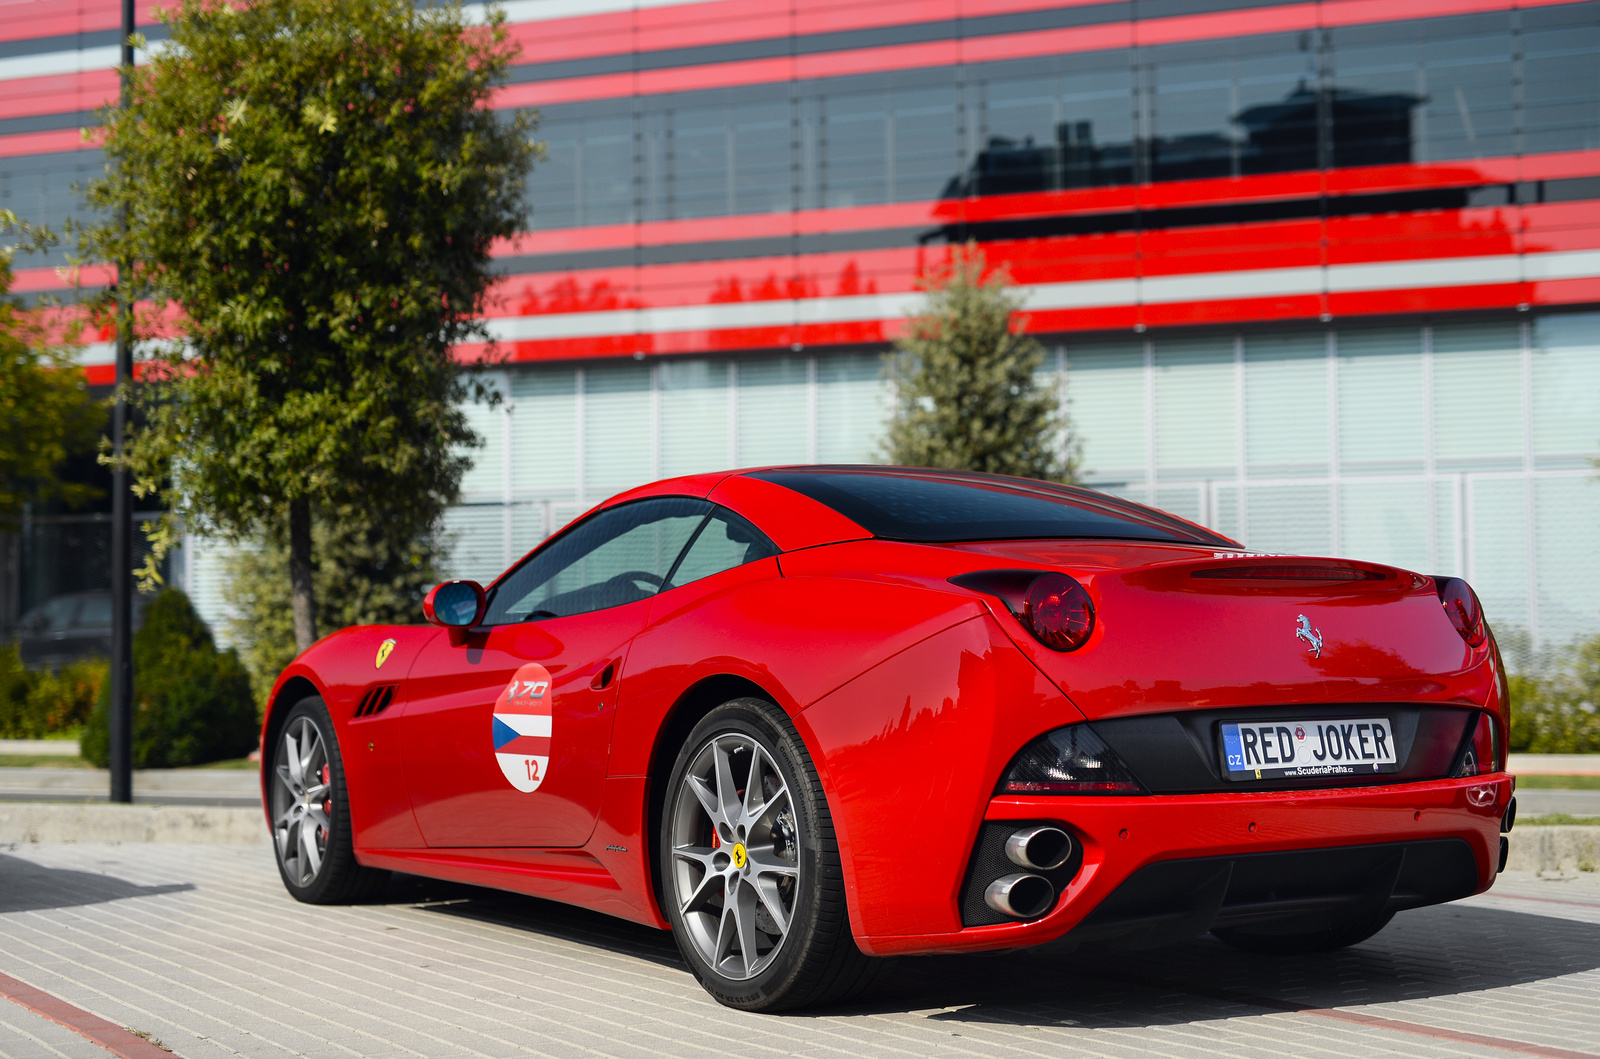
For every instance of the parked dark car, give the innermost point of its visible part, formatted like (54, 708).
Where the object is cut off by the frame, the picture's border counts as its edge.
(64, 628)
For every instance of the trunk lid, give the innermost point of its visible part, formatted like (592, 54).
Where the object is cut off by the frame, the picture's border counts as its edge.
(1185, 628)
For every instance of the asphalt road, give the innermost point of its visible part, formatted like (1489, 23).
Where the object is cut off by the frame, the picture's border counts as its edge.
(201, 948)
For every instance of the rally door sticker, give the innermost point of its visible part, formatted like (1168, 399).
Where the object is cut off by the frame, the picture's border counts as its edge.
(522, 728)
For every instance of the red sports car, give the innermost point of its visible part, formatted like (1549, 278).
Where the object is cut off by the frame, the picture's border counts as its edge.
(808, 716)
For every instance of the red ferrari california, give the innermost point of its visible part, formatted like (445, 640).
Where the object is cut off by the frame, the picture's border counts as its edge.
(804, 717)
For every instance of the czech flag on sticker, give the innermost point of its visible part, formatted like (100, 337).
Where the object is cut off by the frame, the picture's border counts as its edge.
(522, 727)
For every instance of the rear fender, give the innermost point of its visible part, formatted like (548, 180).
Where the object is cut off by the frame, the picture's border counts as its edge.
(910, 753)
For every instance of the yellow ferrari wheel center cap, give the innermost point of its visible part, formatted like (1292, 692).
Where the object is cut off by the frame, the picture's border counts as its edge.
(740, 859)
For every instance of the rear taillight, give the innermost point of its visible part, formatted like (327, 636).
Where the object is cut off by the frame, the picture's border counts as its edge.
(1070, 760)
(1461, 604)
(1480, 754)
(1058, 612)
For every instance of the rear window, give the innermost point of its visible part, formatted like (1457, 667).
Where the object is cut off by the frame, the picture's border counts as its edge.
(952, 506)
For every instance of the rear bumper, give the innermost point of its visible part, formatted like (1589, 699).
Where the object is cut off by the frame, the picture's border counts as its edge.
(1122, 836)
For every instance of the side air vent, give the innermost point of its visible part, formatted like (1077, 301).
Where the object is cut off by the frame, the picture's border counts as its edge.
(376, 700)
(1287, 572)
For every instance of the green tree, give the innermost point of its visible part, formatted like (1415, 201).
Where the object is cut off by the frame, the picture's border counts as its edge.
(968, 394)
(311, 190)
(191, 702)
(365, 576)
(46, 412)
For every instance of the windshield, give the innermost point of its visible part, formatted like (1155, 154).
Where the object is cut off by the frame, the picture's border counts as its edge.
(935, 506)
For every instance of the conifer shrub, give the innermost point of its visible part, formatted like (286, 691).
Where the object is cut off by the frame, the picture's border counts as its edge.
(191, 702)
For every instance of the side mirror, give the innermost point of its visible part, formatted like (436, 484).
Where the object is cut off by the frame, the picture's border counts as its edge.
(456, 606)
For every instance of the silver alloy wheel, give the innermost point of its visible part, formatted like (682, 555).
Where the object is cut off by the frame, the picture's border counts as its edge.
(302, 801)
(735, 855)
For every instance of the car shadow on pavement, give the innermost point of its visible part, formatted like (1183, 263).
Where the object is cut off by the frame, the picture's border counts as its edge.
(29, 887)
(532, 914)
(1431, 952)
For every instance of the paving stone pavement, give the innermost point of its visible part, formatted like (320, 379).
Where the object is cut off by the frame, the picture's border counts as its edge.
(201, 947)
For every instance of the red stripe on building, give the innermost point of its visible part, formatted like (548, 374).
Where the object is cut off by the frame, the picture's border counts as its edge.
(26, 97)
(39, 19)
(56, 141)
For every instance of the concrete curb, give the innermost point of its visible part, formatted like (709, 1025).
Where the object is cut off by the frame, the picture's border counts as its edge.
(32, 822)
(1561, 848)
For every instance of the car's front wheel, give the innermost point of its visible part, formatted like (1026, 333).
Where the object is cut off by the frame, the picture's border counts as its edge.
(309, 803)
(751, 874)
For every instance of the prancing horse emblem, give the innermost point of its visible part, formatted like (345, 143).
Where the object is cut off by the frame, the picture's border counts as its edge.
(1312, 637)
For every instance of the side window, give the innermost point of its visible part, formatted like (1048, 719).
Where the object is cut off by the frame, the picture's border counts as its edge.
(724, 542)
(621, 555)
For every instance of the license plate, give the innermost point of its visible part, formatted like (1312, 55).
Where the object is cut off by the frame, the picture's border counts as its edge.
(1269, 750)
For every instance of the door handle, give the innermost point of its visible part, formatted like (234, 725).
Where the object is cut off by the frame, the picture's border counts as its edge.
(602, 679)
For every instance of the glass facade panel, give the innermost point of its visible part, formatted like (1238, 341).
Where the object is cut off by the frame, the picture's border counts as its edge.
(1195, 421)
(487, 474)
(1497, 509)
(617, 428)
(854, 153)
(1388, 520)
(44, 190)
(1560, 78)
(1286, 404)
(699, 157)
(852, 407)
(774, 411)
(1297, 519)
(1106, 400)
(763, 169)
(1565, 351)
(927, 148)
(694, 403)
(1382, 418)
(1095, 132)
(544, 433)
(1389, 93)
(1565, 513)
(1477, 367)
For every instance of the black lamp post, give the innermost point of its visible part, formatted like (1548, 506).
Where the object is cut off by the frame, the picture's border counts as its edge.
(122, 514)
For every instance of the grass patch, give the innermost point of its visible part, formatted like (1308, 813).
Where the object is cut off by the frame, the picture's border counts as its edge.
(1557, 820)
(45, 761)
(1558, 783)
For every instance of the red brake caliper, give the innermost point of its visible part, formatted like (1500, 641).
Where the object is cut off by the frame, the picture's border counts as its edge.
(327, 804)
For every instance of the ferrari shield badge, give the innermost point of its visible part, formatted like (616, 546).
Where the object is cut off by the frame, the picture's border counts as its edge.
(522, 728)
(385, 649)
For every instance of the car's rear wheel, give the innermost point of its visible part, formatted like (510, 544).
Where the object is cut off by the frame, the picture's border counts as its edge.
(750, 869)
(309, 804)
(1294, 943)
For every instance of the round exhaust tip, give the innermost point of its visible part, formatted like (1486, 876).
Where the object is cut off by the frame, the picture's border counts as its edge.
(1021, 896)
(1039, 848)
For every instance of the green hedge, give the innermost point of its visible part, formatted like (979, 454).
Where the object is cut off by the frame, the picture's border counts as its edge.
(43, 703)
(191, 702)
(1556, 713)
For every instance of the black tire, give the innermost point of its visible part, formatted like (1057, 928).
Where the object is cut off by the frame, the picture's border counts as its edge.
(815, 961)
(312, 806)
(1268, 943)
